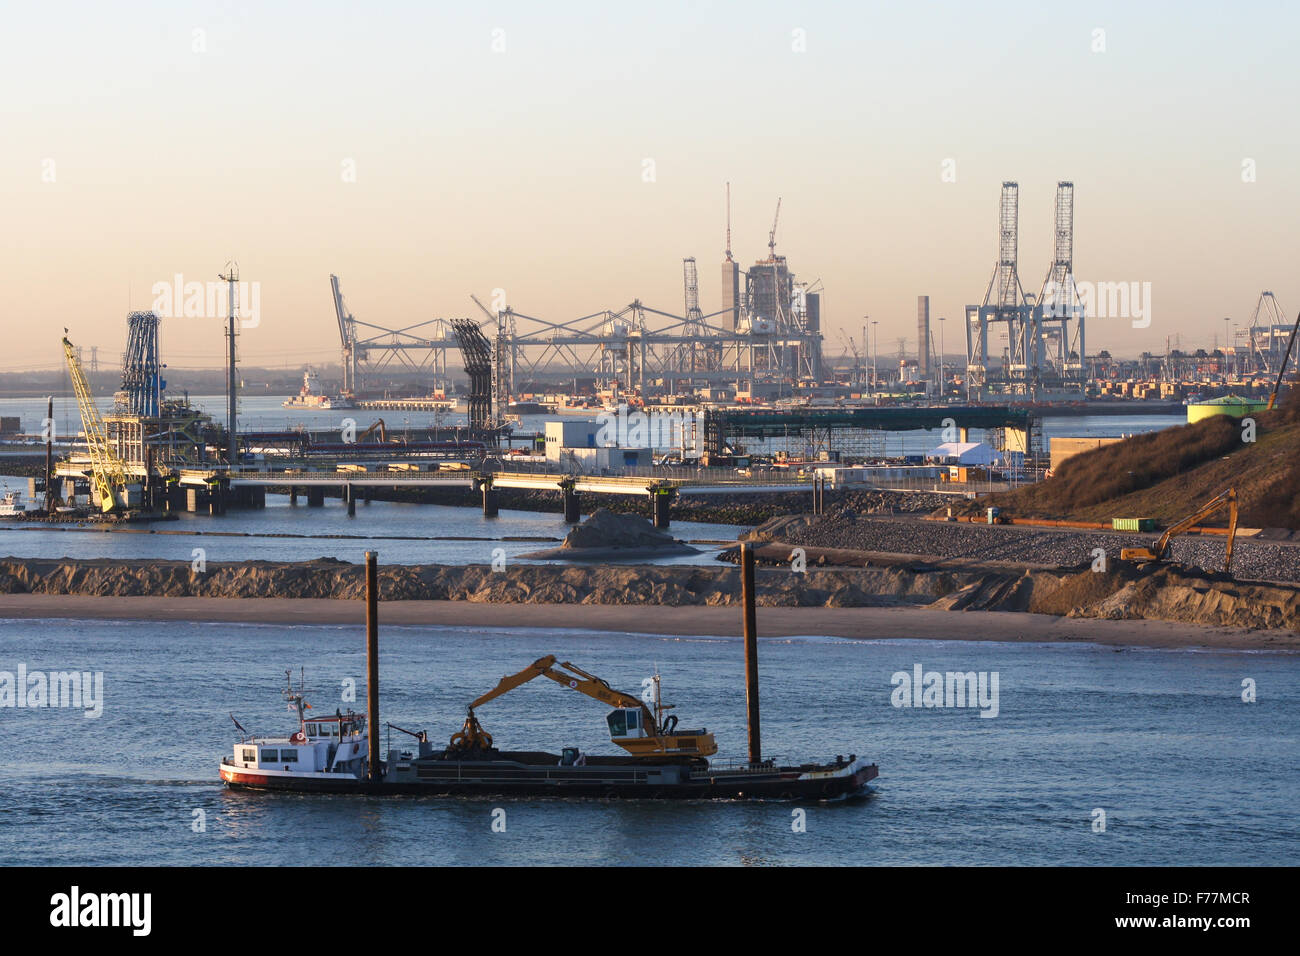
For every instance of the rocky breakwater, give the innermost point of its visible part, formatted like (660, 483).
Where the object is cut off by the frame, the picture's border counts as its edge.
(516, 584)
(1155, 592)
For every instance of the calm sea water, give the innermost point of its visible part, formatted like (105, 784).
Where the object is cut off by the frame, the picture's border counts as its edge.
(401, 533)
(1160, 740)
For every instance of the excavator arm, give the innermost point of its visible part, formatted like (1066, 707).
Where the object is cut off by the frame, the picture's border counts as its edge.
(511, 681)
(660, 739)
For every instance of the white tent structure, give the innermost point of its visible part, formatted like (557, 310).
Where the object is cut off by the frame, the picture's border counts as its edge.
(965, 453)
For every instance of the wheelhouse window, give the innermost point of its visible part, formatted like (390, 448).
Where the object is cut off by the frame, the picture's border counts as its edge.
(312, 730)
(288, 756)
(249, 754)
(617, 723)
(269, 756)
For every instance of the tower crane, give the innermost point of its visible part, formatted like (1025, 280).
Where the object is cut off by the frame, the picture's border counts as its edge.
(109, 474)
(771, 236)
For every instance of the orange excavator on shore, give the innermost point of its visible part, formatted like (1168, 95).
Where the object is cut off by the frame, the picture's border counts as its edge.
(633, 726)
(1226, 500)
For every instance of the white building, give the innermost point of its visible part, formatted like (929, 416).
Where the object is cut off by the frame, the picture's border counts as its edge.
(578, 443)
(965, 453)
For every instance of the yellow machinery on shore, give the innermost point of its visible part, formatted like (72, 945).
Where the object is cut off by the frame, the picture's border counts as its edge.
(108, 472)
(632, 725)
(1160, 550)
(1286, 357)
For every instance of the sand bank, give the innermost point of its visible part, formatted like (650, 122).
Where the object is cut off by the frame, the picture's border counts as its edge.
(893, 623)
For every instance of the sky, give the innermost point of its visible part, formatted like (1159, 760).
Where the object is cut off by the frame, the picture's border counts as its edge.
(571, 154)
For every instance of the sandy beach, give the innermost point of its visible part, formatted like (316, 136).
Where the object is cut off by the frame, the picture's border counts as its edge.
(865, 623)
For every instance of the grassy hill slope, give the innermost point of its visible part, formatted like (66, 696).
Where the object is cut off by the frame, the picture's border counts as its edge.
(1167, 474)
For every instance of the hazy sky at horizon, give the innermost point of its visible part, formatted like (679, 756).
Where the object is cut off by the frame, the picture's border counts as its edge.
(523, 169)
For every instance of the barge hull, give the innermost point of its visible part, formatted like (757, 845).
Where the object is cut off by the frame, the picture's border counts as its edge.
(469, 779)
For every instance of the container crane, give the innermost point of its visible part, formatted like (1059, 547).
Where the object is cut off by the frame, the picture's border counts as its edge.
(632, 724)
(109, 474)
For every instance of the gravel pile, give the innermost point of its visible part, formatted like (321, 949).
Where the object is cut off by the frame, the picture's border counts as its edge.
(1259, 560)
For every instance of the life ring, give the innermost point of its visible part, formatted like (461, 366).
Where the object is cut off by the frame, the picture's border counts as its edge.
(298, 738)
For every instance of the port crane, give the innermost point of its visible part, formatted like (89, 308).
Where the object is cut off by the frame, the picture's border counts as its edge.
(108, 472)
(857, 359)
(1160, 550)
(632, 724)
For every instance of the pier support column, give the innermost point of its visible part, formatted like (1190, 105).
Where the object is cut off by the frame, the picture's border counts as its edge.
(216, 500)
(748, 598)
(257, 496)
(572, 509)
(315, 496)
(350, 498)
(196, 499)
(489, 500)
(660, 501)
(293, 495)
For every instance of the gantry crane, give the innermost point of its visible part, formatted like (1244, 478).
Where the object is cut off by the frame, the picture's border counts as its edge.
(109, 474)
(632, 725)
(1160, 550)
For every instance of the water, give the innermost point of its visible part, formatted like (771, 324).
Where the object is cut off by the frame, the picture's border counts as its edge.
(281, 532)
(1186, 772)
(264, 413)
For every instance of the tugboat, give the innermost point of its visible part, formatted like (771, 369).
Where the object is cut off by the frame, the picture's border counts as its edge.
(323, 754)
(12, 504)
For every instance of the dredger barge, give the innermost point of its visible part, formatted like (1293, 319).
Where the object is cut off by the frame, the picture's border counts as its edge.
(332, 754)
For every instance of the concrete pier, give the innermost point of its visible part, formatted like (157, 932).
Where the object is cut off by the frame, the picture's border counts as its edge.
(350, 497)
(489, 501)
(315, 496)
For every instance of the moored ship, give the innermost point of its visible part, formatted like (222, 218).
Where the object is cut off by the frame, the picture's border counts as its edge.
(311, 396)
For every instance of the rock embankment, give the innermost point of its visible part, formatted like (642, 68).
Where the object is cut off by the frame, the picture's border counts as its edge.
(1167, 592)
(843, 528)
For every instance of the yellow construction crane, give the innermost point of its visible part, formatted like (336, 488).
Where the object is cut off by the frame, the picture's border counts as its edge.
(1160, 550)
(1281, 373)
(632, 725)
(109, 474)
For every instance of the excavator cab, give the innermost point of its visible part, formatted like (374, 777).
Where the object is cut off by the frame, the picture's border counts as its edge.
(625, 722)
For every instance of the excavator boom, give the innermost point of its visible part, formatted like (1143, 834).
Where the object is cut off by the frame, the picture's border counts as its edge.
(658, 739)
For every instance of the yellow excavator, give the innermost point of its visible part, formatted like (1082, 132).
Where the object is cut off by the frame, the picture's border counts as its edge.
(1160, 550)
(632, 725)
